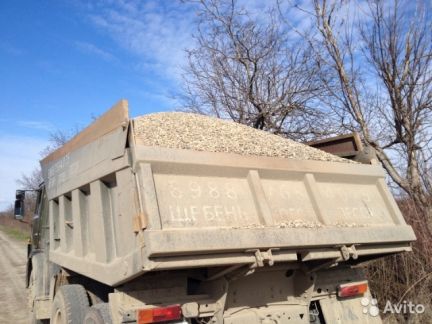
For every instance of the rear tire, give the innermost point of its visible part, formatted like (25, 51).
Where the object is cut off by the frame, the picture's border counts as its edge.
(70, 305)
(98, 314)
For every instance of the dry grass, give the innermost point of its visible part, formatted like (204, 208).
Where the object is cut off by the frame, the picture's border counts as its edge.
(406, 277)
(17, 229)
(16, 233)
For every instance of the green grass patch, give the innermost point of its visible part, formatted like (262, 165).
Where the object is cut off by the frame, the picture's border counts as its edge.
(16, 233)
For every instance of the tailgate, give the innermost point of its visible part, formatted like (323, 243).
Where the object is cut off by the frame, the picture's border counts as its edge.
(217, 202)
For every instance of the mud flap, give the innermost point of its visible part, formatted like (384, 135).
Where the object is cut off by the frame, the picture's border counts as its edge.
(348, 311)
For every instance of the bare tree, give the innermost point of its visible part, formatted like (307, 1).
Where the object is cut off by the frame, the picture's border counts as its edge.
(372, 74)
(58, 138)
(378, 80)
(33, 180)
(30, 181)
(246, 68)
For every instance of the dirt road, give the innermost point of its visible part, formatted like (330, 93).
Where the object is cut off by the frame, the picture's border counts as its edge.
(13, 295)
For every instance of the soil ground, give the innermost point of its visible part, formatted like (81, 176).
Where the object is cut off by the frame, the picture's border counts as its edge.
(13, 294)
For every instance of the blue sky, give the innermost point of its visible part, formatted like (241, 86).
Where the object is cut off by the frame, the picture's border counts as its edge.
(64, 62)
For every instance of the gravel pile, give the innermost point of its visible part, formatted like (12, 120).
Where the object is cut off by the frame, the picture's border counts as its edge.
(201, 133)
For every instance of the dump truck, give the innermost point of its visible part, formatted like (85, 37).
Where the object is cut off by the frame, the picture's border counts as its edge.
(127, 230)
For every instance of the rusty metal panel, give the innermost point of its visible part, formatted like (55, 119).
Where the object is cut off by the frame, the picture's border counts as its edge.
(346, 146)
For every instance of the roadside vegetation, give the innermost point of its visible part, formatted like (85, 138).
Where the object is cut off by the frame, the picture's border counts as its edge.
(13, 228)
(16, 233)
(406, 277)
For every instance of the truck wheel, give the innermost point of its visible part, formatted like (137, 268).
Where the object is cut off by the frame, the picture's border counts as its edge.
(70, 305)
(98, 314)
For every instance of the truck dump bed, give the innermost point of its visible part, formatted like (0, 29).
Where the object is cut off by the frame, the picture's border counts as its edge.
(120, 208)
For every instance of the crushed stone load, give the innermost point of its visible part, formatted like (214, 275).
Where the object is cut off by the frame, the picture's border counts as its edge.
(202, 133)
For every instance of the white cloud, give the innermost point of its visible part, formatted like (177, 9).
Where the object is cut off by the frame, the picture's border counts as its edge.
(89, 48)
(155, 31)
(158, 32)
(35, 124)
(18, 155)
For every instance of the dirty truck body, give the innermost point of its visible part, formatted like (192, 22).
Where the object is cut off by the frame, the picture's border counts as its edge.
(152, 234)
